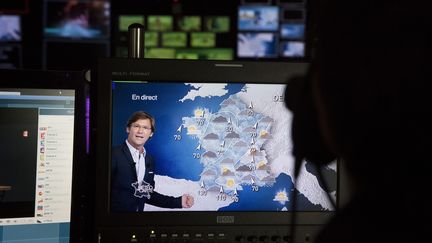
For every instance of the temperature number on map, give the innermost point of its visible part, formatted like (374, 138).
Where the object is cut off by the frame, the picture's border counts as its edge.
(200, 122)
(202, 192)
(222, 197)
(252, 167)
(196, 155)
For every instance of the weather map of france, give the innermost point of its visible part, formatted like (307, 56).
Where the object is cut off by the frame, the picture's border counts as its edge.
(232, 140)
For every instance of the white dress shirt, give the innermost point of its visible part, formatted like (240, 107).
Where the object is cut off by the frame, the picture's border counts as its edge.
(139, 159)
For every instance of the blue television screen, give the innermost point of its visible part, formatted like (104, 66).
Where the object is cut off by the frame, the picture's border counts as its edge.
(225, 144)
(293, 31)
(77, 19)
(260, 18)
(293, 49)
(257, 45)
(10, 28)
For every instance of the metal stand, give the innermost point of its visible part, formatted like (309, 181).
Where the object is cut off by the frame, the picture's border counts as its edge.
(136, 41)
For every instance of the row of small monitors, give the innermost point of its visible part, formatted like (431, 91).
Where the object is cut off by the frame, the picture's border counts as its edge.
(214, 24)
(251, 18)
(262, 31)
(208, 39)
(191, 23)
(250, 45)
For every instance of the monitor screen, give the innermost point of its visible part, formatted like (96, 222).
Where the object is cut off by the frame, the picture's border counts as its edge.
(41, 127)
(174, 39)
(213, 139)
(293, 48)
(225, 144)
(125, 20)
(73, 55)
(10, 28)
(257, 44)
(160, 22)
(14, 6)
(83, 19)
(260, 18)
(293, 31)
(10, 56)
(217, 23)
(189, 23)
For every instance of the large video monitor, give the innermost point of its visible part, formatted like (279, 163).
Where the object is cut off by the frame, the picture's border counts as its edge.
(214, 138)
(42, 121)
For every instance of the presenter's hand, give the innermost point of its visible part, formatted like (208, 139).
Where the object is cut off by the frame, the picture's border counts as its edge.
(187, 201)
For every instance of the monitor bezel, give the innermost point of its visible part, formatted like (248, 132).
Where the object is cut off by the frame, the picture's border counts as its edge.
(67, 80)
(109, 69)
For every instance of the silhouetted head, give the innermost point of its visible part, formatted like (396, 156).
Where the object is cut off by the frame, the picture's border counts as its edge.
(369, 82)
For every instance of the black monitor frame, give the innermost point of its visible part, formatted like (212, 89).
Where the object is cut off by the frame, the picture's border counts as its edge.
(169, 70)
(68, 80)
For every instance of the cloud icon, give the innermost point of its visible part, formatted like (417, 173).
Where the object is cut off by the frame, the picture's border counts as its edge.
(211, 136)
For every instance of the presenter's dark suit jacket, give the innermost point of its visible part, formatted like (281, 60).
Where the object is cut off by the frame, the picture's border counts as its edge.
(123, 174)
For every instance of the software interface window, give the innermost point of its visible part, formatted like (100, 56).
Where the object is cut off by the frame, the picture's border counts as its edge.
(36, 164)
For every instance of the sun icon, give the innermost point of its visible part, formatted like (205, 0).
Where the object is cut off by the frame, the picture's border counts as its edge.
(261, 163)
(230, 183)
(191, 129)
(199, 113)
(281, 196)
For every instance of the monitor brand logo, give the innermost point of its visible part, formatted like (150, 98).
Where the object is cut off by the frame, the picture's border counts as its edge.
(131, 73)
(225, 219)
(141, 74)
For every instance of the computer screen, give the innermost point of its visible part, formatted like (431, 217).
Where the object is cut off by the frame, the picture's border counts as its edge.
(214, 139)
(41, 122)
